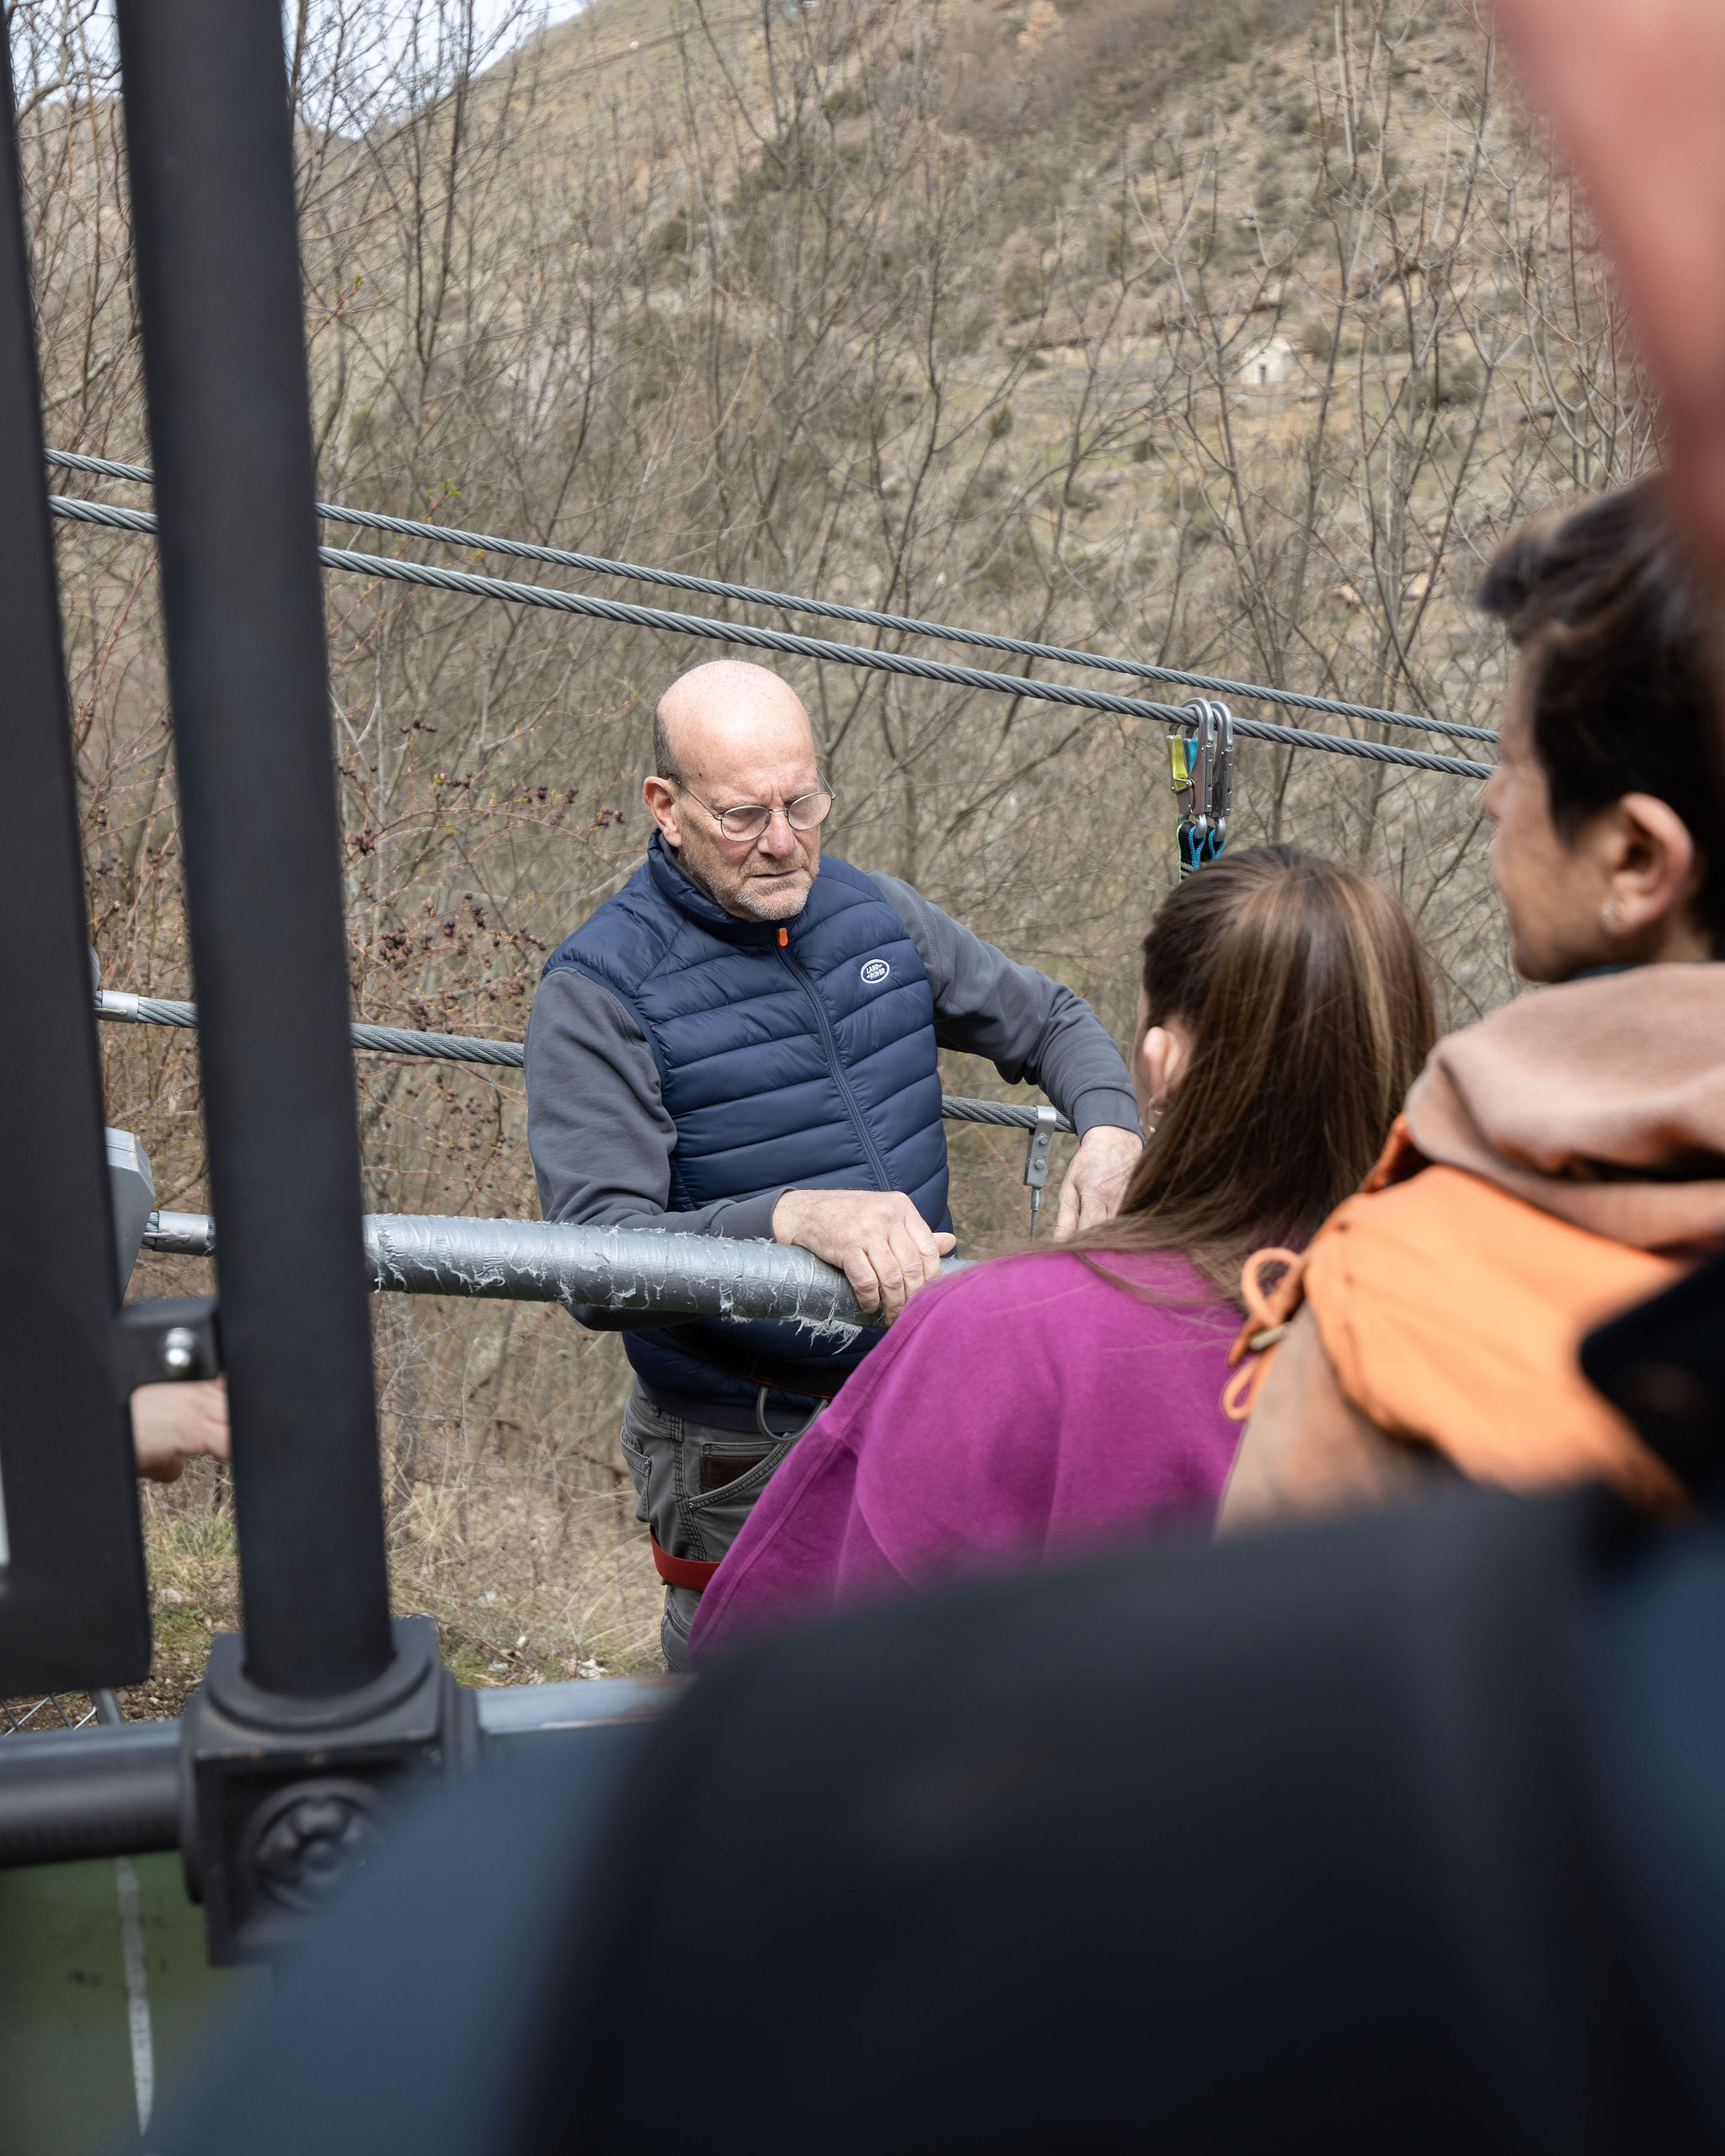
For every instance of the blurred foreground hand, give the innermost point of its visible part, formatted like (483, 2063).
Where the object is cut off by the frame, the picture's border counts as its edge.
(1636, 91)
(174, 1423)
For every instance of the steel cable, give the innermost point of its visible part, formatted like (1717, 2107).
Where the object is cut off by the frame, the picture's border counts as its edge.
(956, 1108)
(120, 1005)
(790, 602)
(816, 647)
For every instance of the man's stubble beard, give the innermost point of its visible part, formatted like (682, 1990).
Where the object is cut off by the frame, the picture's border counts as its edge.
(735, 900)
(787, 906)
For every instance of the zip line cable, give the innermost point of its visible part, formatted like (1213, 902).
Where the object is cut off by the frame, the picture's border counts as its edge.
(865, 616)
(121, 1005)
(781, 640)
(382, 1040)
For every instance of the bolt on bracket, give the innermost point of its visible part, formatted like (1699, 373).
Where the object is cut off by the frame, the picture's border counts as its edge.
(167, 1339)
(1036, 1160)
(281, 1800)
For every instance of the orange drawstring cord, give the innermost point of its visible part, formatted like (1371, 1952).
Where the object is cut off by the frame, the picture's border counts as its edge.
(1269, 1314)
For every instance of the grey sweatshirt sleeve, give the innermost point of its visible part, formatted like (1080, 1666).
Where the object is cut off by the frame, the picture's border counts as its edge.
(1028, 1027)
(597, 1128)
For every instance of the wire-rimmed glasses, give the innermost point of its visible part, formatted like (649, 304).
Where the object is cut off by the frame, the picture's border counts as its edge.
(750, 821)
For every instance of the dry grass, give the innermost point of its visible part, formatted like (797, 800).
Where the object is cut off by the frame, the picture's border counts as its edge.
(528, 1582)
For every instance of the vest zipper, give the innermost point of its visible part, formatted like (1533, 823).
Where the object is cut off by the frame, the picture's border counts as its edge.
(877, 1159)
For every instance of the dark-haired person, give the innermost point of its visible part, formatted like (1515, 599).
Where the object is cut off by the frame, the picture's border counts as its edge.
(1065, 1396)
(743, 1042)
(1564, 1158)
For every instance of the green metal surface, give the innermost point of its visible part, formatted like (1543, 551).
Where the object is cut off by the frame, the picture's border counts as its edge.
(107, 2003)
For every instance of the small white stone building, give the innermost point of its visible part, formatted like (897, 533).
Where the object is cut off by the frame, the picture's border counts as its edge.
(1267, 365)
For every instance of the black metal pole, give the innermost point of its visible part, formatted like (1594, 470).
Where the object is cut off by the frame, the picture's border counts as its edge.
(72, 1604)
(209, 150)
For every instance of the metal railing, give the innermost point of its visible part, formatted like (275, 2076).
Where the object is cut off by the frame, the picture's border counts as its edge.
(638, 1276)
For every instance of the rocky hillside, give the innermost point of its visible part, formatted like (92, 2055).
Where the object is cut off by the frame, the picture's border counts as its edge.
(1229, 336)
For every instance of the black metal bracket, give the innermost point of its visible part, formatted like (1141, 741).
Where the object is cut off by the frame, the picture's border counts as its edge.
(282, 1798)
(133, 1189)
(167, 1339)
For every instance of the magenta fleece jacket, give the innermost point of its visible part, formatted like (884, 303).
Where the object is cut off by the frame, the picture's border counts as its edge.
(1024, 1409)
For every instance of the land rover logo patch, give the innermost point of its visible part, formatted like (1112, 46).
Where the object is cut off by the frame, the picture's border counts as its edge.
(875, 970)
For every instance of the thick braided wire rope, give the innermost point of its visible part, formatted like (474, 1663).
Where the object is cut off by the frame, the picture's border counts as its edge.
(865, 616)
(955, 1108)
(380, 1040)
(817, 647)
(509, 1056)
(448, 1047)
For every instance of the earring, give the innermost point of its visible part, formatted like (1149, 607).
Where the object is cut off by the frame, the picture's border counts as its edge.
(1608, 914)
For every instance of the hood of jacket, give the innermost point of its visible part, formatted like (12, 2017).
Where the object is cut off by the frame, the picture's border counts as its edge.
(1601, 1101)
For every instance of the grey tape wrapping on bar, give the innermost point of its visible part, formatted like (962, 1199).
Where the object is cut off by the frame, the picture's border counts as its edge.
(180, 1235)
(616, 1269)
(613, 1268)
(642, 1269)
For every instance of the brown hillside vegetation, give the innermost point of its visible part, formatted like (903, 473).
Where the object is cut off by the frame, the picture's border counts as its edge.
(1230, 336)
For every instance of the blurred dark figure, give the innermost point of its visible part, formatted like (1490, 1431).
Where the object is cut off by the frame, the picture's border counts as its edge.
(1403, 1831)
(1394, 1833)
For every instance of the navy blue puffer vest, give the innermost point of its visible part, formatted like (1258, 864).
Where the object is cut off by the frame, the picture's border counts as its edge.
(810, 1066)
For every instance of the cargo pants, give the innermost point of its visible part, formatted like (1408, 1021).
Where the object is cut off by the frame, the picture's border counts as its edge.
(694, 1486)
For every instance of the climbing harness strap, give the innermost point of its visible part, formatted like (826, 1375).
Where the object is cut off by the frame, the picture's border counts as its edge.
(695, 1572)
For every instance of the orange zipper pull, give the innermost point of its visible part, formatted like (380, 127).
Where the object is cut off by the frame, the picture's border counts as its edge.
(784, 937)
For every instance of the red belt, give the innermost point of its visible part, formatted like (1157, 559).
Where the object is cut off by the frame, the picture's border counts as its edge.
(695, 1572)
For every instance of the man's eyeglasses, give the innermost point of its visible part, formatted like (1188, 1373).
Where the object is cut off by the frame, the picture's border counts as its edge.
(803, 814)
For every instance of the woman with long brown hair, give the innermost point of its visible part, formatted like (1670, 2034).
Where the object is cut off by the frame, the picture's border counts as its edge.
(1064, 1395)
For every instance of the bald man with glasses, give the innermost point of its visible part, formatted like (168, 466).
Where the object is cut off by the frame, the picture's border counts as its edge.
(743, 1041)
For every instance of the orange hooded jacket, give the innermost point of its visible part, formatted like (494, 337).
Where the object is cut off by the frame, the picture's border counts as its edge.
(1557, 1164)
